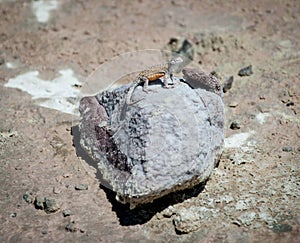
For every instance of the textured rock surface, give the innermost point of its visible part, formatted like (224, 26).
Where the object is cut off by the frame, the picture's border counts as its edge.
(169, 140)
(190, 219)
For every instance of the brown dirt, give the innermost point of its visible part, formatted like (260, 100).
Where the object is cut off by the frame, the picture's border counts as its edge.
(37, 155)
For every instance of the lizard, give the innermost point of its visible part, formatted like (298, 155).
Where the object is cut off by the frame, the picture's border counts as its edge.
(153, 73)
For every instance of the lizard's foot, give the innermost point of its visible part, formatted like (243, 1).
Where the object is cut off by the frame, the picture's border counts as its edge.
(169, 86)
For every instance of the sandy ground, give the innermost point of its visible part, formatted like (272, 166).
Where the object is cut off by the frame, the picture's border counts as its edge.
(253, 195)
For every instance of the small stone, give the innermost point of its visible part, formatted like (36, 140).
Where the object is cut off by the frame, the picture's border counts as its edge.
(290, 103)
(241, 205)
(279, 228)
(50, 205)
(227, 199)
(187, 220)
(233, 104)
(28, 197)
(246, 71)
(67, 213)
(67, 175)
(266, 217)
(191, 219)
(39, 202)
(287, 149)
(81, 187)
(169, 212)
(247, 218)
(71, 227)
(228, 84)
(2, 61)
(235, 125)
(13, 215)
(56, 190)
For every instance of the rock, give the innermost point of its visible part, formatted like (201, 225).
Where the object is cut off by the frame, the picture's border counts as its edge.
(233, 104)
(241, 205)
(227, 84)
(246, 71)
(167, 140)
(56, 190)
(47, 204)
(39, 202)
(280, 228)
(50, 205)
(235, 125)
(28, 197)
(290, 103)
(266, 217)
(187, 220)
(191, 219)
(81, 187)
(287, 149)
(67, 213)
(71, 227)
(227, 199)
(247, 218)
(168, 212)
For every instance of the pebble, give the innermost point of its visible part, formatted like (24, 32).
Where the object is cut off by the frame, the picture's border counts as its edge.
(56, 190)
(39, 202)
(247, 218)
(241, 205)
(2, 61)
(246, 71)
(13, 215)
(235, 125)
(279, 228)
(233, 104)
(227, 84)
(81, 187)
(71, 227)
(287, 149)
(227, 199)
(169, 212)
(47, 204)
(50, 205)
(28, 197)
(67, 213)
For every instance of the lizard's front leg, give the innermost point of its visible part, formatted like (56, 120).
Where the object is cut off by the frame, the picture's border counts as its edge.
(166, 85)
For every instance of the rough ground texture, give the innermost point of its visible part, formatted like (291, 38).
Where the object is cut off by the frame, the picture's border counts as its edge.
(253, 195)
(168, 139)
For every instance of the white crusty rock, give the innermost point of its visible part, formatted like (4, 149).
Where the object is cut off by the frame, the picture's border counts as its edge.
(165, 140)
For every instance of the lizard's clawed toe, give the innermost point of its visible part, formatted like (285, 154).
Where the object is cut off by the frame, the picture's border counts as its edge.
(169, 86)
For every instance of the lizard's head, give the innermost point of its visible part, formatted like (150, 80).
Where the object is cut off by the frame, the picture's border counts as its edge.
(175, 65)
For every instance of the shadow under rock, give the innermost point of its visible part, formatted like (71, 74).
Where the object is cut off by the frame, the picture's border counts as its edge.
(144, 212)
